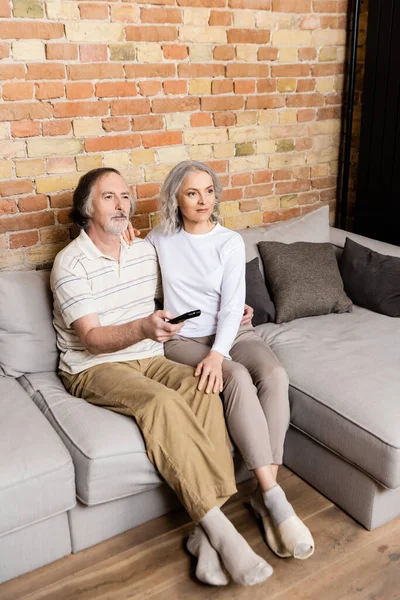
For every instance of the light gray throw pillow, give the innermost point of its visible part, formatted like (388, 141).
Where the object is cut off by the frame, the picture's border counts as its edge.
(304, 279)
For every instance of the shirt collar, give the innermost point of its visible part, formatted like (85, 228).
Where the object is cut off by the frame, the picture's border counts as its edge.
(92, 251)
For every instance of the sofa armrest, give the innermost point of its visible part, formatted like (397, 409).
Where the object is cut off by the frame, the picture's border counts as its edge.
(338, 238)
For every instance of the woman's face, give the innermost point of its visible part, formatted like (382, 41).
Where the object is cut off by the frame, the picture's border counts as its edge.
(196, 197)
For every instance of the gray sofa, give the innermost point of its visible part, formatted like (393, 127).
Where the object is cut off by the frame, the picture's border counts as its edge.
(72, 474)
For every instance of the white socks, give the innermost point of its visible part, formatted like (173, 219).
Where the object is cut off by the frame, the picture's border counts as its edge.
(209, 569)
(277, 504)
(244, 565)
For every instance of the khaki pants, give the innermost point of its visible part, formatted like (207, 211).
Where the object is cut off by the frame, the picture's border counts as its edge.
(255, 393)
(184, 429)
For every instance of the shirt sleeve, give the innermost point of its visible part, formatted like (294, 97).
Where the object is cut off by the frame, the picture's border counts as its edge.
(72, 292)
(233, 292)
(151, 237)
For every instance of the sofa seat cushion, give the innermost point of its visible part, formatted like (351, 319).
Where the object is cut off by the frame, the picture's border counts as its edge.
(344, 373)
(107, 448)
(36, 471)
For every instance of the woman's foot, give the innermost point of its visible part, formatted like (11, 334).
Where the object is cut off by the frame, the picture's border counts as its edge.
(244, 566)
(285, 533)
(209, 569)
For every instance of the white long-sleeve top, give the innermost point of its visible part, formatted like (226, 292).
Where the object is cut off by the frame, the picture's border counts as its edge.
(205, 271)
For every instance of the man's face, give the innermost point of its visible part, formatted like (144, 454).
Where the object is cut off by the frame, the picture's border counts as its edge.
(110, 204)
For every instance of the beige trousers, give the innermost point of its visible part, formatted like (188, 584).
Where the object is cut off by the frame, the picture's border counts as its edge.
(184, 429)
(255, 393)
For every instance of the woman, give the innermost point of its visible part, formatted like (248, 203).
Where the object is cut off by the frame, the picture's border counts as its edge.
(203, 267)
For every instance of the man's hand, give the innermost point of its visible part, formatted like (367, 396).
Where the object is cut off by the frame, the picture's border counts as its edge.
(210, 369)
(129, 234)
(248, 314)
(156, 328)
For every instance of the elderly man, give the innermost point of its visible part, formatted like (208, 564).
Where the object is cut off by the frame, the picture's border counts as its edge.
(111, 354)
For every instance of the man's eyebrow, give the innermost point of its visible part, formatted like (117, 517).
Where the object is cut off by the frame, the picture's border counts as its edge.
(123, 193)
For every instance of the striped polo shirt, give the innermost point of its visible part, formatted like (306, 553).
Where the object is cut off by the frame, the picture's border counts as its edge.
(85, 281)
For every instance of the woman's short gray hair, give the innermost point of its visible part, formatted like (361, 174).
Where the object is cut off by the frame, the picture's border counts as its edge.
(171, 215)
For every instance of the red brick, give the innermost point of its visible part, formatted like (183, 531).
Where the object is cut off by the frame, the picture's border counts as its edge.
(266, 86)
(25, 129)
(162, 138)
(138, 106)
(262, 176)
(267, 53)
(160, 15)
(250, 4)
(257, 191)
(226, 103)
(305, 85)
(329, 6)
(219, 166)
(224, 53)
(334, 98)
(63, 216)
(98, 71)
(116, 124)
(28, 221)
(157, 70)
(24, 240)
(79, 91)
(149, 88)
(291, 187)
(220, 17)
(147, 33)
(283, 174)
(197, 70)
(201, 119)
(61, 200)
(247, 70)
(17, 111)
(165, 105)
(8, 207)
(307, 53)
(203, 3)
(329, 112)
(324, 182)
(292, 6)
(271, 216)
(93, 11)
(146, 122)
(11, 71)
(17, 91)
(59, 127)
(305, 100)
(147, 206)
(327, 69)
(175, 87)
(224, 119)
(93, 52)
(224, 180)
(268, 101)
(32, 203)
(112, 142)
(229, 195)
(248, 36)
(241, 179)
(30, 30)
(5, 8)
(303, 144)
(4, 50)
(308, 198)
(248, 205)
(244, 86)
(115, 89)
(61, 51)
(222, 86)
(80, 109)
(307, 114)
(14, 187)
(52, 235)
(295, 70)
(45, 71)
(147, 190)
(53, 89)
(140, 221)
(175, 52)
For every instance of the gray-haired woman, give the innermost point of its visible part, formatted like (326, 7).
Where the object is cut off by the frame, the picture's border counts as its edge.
(203, 267)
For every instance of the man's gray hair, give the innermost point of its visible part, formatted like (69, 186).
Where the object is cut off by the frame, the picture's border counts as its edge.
(171, 214)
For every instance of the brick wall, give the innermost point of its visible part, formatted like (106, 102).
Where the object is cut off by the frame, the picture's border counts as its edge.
(252, 87)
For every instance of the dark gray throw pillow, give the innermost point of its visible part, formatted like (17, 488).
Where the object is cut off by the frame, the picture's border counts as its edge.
(371, 280)
(304, 279)
(257, 295)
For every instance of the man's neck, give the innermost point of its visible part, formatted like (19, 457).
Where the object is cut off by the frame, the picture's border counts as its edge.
(108, 243)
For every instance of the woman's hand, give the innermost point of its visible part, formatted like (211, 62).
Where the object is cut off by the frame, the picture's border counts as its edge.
(210, 369)
(248, 314)
(129, 234)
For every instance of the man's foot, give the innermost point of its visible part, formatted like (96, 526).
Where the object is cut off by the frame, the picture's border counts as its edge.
(209, 569)
(244, 565)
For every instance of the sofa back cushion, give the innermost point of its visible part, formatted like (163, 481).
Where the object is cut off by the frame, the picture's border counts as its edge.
(27, 337)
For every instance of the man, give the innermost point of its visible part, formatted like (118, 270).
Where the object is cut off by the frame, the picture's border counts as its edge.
(110, 340)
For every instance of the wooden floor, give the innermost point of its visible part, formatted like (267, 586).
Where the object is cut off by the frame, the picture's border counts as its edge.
(150, 562)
